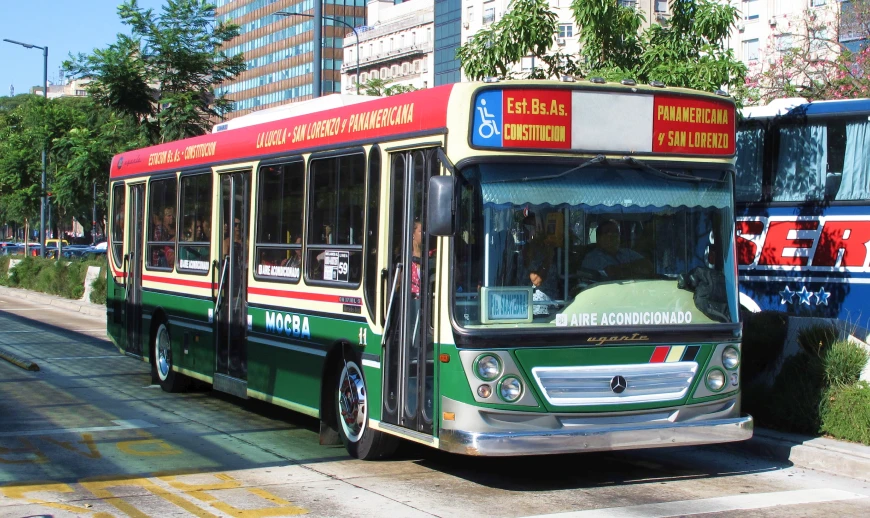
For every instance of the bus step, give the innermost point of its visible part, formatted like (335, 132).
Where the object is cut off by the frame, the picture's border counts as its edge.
(230, 385)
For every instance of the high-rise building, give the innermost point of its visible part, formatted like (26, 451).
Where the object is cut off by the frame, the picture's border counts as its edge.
(279, 50)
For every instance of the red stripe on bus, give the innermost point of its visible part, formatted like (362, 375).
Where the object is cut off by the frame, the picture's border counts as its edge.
(295, 295)
(179, 282)
(660, 354)
(419, 111)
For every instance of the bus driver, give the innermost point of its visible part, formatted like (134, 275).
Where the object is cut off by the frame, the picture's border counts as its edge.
(613, 262)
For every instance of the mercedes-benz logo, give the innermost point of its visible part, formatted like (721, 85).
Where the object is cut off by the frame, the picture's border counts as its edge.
(618, 384)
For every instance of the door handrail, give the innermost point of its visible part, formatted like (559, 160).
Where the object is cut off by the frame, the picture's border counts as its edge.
(217, 303)
(399, 267)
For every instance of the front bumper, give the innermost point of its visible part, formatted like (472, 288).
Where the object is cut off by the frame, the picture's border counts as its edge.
(597, 439)
(485, 431)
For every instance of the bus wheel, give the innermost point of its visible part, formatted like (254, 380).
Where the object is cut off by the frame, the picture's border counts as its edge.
(353, 419)
(170, 381)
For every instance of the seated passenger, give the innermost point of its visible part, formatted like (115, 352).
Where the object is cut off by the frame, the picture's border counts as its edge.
(542, 292)
(613, 262)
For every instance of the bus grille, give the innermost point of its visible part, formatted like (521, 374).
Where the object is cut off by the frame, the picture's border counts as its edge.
(577, 386)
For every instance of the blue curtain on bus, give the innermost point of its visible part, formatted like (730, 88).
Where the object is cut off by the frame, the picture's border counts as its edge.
(855, 184)
(750, 153)
(802, 164)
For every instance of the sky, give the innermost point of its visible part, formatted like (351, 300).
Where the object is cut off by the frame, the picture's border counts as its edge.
(64, 26)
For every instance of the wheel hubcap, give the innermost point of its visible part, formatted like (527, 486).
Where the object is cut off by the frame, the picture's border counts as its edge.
(163, 358)
(352, 402)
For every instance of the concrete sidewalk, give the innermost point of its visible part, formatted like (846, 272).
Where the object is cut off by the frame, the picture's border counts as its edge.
(78, 306)
(817, 453)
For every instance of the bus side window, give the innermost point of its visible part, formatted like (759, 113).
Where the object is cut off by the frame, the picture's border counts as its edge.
(194, 248)
(336, 193)
(278, 245)
(163, 224)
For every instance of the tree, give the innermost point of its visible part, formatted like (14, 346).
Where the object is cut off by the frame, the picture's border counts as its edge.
(381, 87)
(166, 72)
(805, 59)
(690, 51)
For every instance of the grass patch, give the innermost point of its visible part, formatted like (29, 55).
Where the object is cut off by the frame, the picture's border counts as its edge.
(846, 412)
(843, 363)
(99, 287)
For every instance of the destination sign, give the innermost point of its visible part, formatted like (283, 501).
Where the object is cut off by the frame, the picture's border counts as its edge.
(506, 305)
(602, 122)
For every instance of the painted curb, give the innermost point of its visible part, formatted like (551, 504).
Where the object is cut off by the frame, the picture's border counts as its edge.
(14, 360)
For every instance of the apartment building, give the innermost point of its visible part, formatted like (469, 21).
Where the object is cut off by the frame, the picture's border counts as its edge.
(395, 45)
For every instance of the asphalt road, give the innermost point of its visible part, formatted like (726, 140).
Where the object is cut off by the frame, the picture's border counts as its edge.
(88, 435)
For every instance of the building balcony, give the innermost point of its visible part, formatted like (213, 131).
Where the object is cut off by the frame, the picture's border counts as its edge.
(393, 26)
(387, 56)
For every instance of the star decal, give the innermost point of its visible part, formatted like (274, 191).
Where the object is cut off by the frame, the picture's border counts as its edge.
(804, 295)
(787, 295)
(822, 297)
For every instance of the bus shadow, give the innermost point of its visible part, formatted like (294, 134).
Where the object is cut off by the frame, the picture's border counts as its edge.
(592, 470)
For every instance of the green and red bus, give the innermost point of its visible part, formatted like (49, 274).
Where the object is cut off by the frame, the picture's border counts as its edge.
(494, 268)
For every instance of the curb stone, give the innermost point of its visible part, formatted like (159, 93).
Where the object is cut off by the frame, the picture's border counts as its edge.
(817, 453)
(77, 306)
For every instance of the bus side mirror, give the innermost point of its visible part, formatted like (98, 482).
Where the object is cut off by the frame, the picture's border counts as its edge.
(440, 213)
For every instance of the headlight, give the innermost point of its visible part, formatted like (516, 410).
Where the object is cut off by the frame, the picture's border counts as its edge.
(715, 380)
(488, 367)
(510, 389)
(730, 358)
(484, 391)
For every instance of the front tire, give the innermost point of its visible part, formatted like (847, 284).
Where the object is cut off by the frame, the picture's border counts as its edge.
(170, 381)
(351, 410)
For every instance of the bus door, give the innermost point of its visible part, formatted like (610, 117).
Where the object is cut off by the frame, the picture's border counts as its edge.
(408, 356)
(133, 264)
(231, 304)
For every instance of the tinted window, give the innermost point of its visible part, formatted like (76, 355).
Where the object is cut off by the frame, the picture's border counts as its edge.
(279, 222)
(335, 216)
(162, 225)
(194, 248)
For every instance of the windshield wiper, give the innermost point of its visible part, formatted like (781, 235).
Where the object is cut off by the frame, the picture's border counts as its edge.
(600, 159)
(671, 175)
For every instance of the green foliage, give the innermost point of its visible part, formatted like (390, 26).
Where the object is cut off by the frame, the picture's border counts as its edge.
(62, 278)
(817, 339)
(180, 51)
(382, 87)
(846, 412)
(99, 288)
(690, 51)
(527, 29)
(843, 363)
(764, 335)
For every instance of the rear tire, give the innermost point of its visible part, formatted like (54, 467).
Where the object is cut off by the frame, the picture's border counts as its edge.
(351, 410)
(170, 381)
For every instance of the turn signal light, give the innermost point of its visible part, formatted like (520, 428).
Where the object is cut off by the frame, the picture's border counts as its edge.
(444, 357)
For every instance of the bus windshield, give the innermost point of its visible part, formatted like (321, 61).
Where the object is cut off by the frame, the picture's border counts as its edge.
(604, 245)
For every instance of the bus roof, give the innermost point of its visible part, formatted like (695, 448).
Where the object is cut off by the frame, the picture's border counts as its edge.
(801, 107)
(292, 110)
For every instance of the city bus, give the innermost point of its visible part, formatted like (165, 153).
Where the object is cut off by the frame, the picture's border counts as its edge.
(493, 268)
(803, 210)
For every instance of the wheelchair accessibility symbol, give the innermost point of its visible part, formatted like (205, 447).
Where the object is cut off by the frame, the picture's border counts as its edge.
(487, 127)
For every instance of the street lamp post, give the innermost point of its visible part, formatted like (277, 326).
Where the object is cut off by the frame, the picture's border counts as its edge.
(45, 94)
(318, 79)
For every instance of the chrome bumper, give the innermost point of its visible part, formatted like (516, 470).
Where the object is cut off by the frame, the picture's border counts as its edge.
(599, 438)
